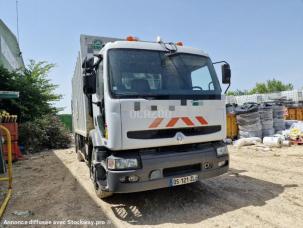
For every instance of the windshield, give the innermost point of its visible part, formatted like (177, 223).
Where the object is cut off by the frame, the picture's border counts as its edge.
(156, 74)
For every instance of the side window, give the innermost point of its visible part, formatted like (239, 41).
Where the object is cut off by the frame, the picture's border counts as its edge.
(100, 81)
(202, 78)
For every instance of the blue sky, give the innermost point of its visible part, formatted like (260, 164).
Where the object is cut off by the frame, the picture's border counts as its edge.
(260, 39)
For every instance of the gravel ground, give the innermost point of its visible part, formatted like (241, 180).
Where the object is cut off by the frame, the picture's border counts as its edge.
(262, 189)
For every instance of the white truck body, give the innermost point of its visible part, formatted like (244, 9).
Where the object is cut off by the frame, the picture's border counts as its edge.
(142, 123)
(82, 122)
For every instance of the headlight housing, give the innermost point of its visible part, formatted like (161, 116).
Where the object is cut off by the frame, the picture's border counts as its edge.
(122, 163)
(222, 151)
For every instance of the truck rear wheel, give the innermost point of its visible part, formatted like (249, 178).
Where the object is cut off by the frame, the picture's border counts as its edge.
(77, 148)
(79, 156)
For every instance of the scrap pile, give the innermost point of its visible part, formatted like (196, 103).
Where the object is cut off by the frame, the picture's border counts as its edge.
(263, 126)
(265, 120)
(294, 133)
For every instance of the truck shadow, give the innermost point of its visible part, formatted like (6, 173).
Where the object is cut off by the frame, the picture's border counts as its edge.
(196, 202)
(46, 190)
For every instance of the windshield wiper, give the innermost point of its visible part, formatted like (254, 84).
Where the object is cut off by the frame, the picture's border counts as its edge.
(170, 54)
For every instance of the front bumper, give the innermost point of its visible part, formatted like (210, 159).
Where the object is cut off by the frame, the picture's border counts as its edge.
(165, 160)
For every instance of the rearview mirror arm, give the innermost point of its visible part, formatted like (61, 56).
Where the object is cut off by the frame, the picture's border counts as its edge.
(225, 63)
(227, 88)
(220, 62)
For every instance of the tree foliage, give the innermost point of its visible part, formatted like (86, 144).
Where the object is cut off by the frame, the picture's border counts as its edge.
(45, 132)
(270, 86)
(37, 93)
(40, 127)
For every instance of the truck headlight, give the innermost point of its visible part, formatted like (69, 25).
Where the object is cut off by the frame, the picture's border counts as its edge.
(121, 163)
(222, 151)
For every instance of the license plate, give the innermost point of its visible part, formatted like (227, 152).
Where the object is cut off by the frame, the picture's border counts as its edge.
(184, 180)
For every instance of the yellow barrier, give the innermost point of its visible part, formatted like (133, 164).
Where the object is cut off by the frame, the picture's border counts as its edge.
(231, 126)
(300, 113)
(292, 114)
(9, 177)
(295, 113)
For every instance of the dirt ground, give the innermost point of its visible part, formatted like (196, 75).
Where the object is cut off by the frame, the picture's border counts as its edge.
(262, 189)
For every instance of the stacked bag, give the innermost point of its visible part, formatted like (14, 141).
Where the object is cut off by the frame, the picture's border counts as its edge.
(259, 121)
(278, 117)
(248, 119)
(266, 117)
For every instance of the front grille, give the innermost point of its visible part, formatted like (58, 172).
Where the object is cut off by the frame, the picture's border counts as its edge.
(181, 170)
(170, 133)
(185, 147)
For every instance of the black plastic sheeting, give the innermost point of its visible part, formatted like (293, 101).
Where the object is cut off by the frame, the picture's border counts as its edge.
(246, 108)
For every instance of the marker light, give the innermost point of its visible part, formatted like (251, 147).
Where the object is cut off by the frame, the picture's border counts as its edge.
(179, 43)
(105, 131)
(158, 40)
(131, 38)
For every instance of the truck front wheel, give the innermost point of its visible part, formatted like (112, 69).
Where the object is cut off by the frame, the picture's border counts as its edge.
(98, 174)
(102, 194)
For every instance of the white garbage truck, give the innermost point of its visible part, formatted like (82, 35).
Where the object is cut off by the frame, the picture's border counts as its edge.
(147, 115)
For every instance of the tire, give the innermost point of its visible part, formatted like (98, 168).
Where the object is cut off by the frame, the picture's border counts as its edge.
(77, 150)
(79, 156)
(103, 194)
(99, 192)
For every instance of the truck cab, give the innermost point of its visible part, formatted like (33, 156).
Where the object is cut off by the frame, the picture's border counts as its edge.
(148, 115)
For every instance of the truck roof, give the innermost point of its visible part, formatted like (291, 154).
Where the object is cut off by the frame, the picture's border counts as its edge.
(151, 46)
(95, 44)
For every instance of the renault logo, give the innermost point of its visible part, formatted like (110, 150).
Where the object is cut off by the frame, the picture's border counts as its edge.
(179, 137)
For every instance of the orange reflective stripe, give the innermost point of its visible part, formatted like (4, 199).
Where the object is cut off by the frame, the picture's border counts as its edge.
(201, 120)
(156, 122)
(187, 121)
(172, 122)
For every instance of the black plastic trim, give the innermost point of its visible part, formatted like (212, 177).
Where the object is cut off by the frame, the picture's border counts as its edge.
(170, 133)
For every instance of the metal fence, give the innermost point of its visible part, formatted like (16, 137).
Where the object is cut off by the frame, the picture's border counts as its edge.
(293, 96)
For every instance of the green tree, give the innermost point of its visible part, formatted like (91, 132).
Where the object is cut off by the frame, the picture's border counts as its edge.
(40, 127)
(37, 93)
(271, 86)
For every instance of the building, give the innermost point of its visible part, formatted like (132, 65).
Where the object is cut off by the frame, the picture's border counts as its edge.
(10, 54)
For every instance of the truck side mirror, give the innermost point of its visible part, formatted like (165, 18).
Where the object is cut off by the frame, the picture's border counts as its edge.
(88, 63)
(89, 83)
(226, 73)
